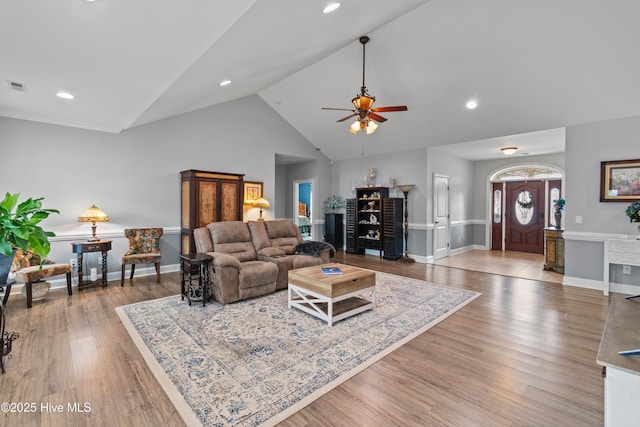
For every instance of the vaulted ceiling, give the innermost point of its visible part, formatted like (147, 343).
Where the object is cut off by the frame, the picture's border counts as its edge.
(532, 66)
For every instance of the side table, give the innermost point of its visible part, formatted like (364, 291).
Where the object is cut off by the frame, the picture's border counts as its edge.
(81, 248)
(195, 266)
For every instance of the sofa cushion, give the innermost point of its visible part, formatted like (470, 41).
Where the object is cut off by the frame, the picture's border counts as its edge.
(259, 235)
(202, 240)
(284, 235)
(257, 273)
(270, 252)
(233, 238)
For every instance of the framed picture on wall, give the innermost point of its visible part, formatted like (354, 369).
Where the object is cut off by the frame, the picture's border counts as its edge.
(252, 191)
(620, 181)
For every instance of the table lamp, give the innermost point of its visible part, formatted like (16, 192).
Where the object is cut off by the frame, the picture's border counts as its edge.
(93, 215)
(261, 203)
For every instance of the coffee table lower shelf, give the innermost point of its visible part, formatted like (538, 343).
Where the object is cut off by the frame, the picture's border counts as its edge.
(330, 310)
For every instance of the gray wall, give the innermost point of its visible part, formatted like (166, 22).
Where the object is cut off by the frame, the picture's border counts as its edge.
(408, 167)
(587, 145)
(134, 176)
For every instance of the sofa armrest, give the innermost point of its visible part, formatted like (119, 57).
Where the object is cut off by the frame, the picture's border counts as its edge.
(265, 253)
(221, 260)
(224, 272)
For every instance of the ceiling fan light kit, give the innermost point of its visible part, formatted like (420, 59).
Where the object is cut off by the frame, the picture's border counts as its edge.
(363, 103)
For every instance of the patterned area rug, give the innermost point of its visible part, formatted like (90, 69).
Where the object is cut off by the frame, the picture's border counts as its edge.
(257, 361)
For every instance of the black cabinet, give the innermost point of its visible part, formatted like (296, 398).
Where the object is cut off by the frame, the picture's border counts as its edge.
(369, 217)
(351, 236)
(392, 233)
(374, 221)
(334, 229)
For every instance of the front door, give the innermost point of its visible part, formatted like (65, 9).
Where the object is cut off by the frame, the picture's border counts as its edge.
(524, 212)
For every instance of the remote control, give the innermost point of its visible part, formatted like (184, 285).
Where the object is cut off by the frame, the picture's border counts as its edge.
(635, 352)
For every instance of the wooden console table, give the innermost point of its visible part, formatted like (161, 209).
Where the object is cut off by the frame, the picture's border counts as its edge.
(621, 251)
(621, 373)
(553, 250)
(81, 248)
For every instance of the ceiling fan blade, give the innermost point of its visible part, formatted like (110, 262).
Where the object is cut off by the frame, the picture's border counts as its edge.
(386, 109)
(346, 118)
(339, 109)
(377, 118)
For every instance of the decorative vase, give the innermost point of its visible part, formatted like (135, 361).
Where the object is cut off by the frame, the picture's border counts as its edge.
(5, 266)
(557, 215)
(39, 290)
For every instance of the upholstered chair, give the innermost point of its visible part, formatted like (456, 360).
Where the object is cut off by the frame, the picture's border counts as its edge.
(144, 248)
(29, 270)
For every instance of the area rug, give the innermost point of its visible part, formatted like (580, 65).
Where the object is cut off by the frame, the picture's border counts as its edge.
(256, 362)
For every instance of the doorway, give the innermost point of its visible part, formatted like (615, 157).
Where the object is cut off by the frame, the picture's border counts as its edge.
(303, 207)
(521, 203)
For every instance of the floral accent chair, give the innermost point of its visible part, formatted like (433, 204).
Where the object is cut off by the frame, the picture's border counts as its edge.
(29, 269)
(144, 248)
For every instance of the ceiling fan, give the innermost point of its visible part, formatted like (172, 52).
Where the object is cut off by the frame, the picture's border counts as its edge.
(366, 116)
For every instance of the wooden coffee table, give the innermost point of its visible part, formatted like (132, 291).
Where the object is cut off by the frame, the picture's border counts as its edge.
(332, 297)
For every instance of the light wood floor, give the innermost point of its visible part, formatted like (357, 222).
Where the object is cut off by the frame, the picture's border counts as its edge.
(522, 354)
(516, 264)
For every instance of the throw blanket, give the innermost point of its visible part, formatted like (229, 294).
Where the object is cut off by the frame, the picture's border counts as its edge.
(314, 248)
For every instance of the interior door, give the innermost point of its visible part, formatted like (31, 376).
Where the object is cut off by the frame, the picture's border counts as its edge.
(524, 217)
(440, 216)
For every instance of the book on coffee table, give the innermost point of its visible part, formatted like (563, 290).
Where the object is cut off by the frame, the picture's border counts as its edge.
(330, 270)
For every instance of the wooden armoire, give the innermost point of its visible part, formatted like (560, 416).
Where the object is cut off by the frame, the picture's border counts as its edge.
(207, 197)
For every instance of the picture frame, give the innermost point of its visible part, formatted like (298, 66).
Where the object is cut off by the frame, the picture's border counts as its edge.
(620, 181)
(252, 191)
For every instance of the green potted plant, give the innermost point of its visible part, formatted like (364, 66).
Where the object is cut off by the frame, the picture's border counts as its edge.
(332, 203)
(633, 212)
(19, 229)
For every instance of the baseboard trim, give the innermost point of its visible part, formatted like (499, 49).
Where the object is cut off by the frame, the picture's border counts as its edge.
(621, 288)
(60, 282)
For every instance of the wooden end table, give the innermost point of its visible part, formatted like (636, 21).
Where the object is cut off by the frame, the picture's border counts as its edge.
(332, 297)
(80, 248)
(195, 266)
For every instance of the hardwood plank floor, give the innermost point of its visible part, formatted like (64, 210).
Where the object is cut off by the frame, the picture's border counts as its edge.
(509, 263)
(522, 354)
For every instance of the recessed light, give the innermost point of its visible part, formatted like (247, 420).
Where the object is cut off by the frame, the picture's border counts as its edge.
(331, 7)
(64, 95)
(471, 104)
(225, 82)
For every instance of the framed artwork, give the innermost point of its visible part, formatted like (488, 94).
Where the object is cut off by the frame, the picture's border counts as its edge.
(620, 181)
(252, 192)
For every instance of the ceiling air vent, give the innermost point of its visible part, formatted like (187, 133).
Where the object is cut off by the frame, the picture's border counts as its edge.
(17, 86)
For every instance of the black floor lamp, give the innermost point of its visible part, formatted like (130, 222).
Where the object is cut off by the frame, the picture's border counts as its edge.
(405, 190)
